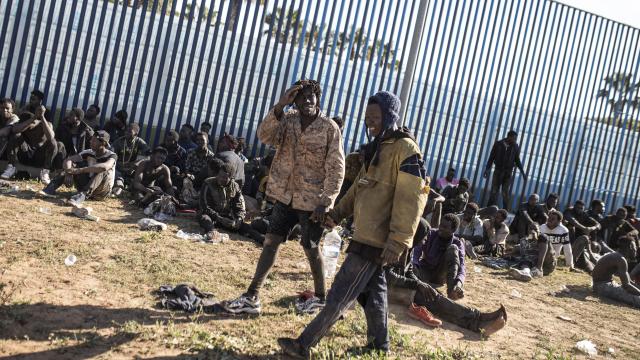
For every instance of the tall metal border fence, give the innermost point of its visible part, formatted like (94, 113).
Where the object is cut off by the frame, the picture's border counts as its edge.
(566, 80)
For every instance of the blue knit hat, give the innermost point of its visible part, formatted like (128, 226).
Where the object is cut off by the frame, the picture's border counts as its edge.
(390, 105)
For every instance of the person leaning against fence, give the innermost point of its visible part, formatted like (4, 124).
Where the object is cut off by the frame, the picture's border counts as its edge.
(304, 180)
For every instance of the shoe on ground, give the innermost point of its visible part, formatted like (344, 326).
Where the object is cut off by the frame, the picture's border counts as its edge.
(293, 348)
(521, 275)
(309, 306)
(244, 304)
(44, 176)
(77, 200)
(423, 315)
(536, 273)
(8, 172)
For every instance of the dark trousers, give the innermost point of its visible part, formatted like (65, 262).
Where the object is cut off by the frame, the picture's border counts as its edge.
(448, 310)
(19, 151)
(206, 222)
(358, 279)
(501, 181)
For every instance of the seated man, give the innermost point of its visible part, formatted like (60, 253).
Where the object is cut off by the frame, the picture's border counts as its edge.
(538, 256)
(440, 257)
(91, 117)
(471, 231)
(352, 165)
(525, 223)
(32, 142)
(619, 235)
(558, 235)
(495, 235)
(92, 171)
(227, 145)
(221, 202)
(197, 163)
(447, 181)
(186, 138)
(152, 178)
(596, 209)
(36, 100)
(631, 217)
(117, 126)
(428, 300)
(74, 133)
(550, 203)
(456, 197)
(176, 157)
(242, 146)
(130, 150)
(615, 264)
(582, 230)
(8, 118)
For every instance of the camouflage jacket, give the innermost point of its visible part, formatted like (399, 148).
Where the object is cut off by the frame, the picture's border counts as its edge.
(197, 160)
(308, 167)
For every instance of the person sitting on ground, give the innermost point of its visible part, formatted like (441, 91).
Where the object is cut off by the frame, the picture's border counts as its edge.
(526, 221)
(36, 100)
(446, 181)
(441, 254)
(130, 150)
(242, 146)
(227, 145)
(91, 117)
(619, 235)
(8, 118)
(596, 209)
(221, 202)
(631, 217)
(428, 302)
(495, 235)
(583, 230)
(205, 127)
(32, 142)
(550, 203)
(352, 165)
(186, 137)
(152, 178)
(538, 257)
(91, 171)
(339, 121)
(456, 197)
(117, 125)
(197, 163)
(471, 230)
(74, 133)
(176, 157)
(611, 264)
(558, 235)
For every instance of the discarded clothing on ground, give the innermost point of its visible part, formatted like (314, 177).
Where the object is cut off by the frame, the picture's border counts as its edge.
(184, 297)
(162, 209)
(496, 263)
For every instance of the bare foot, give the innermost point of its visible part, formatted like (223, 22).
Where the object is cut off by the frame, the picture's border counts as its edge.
(492, 327)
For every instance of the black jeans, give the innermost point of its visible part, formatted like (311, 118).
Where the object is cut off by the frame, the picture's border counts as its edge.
(358, 279)
(19, 151)
(501, 181)
(284, 218)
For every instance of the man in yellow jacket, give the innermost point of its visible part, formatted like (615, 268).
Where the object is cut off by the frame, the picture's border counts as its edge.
(386, 200)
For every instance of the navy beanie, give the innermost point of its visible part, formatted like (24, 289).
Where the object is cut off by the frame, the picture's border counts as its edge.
(390, 105)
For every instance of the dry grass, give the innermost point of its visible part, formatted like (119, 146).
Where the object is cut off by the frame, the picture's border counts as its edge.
(103, 307)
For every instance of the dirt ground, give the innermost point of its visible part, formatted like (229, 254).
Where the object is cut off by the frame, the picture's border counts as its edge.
(103, 306)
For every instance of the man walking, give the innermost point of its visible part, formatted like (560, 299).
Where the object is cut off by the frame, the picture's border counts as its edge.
(505, 154)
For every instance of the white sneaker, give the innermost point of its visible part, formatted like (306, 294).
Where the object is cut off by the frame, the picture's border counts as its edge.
(309, 306)
(536, 273)
(77, 199)
(243, 304)
(521, 275)
(44, 176)
(8, 172)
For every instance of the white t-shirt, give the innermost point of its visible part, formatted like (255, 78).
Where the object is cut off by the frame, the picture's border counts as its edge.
(108, 154)
(557, 235)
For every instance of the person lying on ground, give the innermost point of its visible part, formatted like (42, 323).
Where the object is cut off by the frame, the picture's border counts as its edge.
(91, 171)
(117, 125)
(611, 264)
(130, 149)
(442, 254)
(8, 118)
(619, 235)
(550, 203)
(74, 133)
(387, 199)
(470, 231)
(456, 197)
(227, 145)
(221, 202)
(428, 301)
(525, 223)
(446, 181)
(304, 180)
(152, 179)
(32, 142)
(197, 163)
(91, 117)
(495, 236)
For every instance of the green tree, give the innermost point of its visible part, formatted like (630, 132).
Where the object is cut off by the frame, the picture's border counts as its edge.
(620, 93)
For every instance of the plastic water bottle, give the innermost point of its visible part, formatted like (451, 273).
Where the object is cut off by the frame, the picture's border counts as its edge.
(331, 251)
